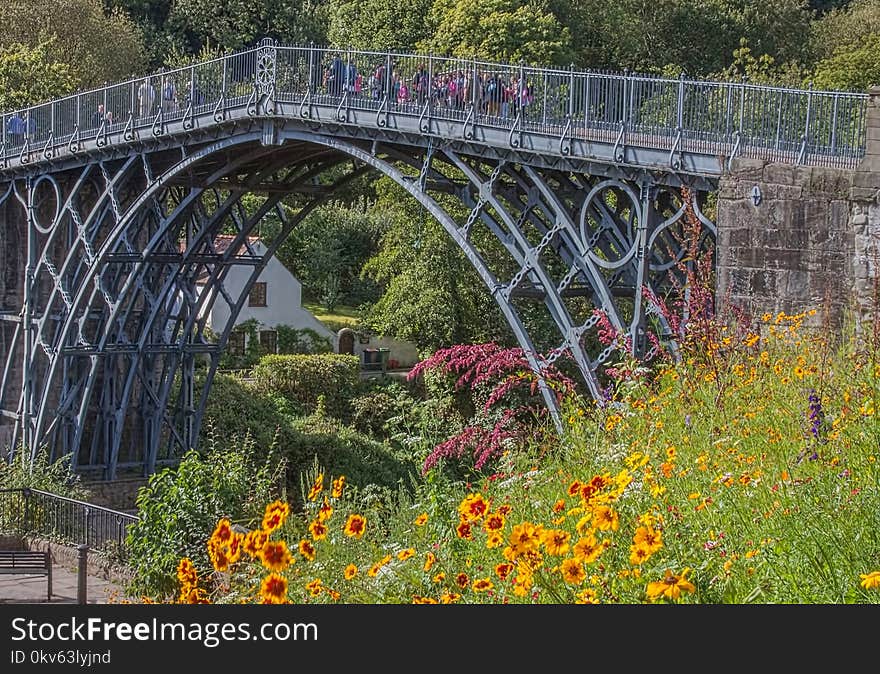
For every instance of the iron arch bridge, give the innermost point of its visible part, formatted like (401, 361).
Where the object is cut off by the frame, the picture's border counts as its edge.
(111, 201)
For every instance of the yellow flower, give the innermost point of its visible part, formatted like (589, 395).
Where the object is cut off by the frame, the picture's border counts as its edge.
(525, 537)
(314, 587)
(317, 487)
(273, 589)
(482, 585)
(276, 513)
(439, 578)
(350, 572)
(870, 581)
(318, 530)
(649, 537)
(587, 549)
(275, 556)
(573, 571)
(503, 570)
(556, 541)
(186, 572)
(473, 507)
(494, 522)
(325, 511)
(430, 560)
(605, 518)
(449, 597)
(421, 520)
(254, 542)
(494, 539)
(355, 526)
(403, 555)
(307, 550)
(338, 486)
(587, 596)
(671, 587)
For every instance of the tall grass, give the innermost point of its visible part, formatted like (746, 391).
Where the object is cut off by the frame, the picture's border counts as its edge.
(746, 472)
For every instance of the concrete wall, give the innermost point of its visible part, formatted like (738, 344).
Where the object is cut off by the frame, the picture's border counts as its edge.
(812, 240)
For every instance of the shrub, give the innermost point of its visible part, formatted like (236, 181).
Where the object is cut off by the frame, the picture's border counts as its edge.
(301, 340)
(304, 378)
(179, 507)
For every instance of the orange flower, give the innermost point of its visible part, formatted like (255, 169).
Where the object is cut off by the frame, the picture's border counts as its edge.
(338, 486)
(421, 519)
(350, 572)
(307, 550)
(463, 530)
(186, 572)
(273, 589)
(403, 555)
(223, 531)
(318, 530)
(276, 513)
(462, 580)
(275, 556)
(473, 507)
(317, 487)
(559, 506)
(254, 542)
(605, 519)
(574, 488)
(355, 526)
(430, 560)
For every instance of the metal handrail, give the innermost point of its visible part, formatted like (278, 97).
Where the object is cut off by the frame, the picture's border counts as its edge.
(680, 115)
(69, 520)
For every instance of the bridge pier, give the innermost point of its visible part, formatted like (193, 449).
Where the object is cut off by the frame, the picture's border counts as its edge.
(792, 238)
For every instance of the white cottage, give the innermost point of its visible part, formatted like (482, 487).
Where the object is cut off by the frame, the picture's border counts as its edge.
(275, 299)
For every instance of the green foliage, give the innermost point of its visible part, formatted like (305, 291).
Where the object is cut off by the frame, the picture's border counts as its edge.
(28, 75)
(178, 508)
(55, 477)
(240, 23)
(432, 296)
(96, 46)
(326, 252)
(302, 379)
(844, 29)
(498, 30)
(855, 68)
(379, 25)
(301, 340)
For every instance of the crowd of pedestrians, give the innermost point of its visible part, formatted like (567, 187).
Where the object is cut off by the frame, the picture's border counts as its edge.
(493, 93)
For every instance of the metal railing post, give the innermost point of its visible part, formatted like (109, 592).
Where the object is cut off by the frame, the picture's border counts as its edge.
(82, 593)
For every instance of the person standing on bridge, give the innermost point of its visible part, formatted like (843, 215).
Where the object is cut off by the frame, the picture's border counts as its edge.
(146, 95)
(15, 129)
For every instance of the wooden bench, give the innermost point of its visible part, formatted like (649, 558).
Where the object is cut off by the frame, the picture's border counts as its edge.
(27, 562)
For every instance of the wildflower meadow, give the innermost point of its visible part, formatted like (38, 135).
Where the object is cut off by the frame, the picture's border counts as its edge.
(744, 471)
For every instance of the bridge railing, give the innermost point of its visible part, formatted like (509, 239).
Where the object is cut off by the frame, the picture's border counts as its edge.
(680, 115)
(69, 521)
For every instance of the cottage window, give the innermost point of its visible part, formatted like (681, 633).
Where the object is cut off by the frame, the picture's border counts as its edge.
(269, 341)
(257, 297)
(236, 343)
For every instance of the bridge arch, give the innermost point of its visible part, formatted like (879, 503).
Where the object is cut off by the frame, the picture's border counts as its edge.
(121, 324)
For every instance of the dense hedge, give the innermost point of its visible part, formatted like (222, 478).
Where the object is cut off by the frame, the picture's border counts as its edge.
(304, 379)
(237, 409)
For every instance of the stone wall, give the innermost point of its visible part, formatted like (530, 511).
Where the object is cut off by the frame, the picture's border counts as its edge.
(793, 238)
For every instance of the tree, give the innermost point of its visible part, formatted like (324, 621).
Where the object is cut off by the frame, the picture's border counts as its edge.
(95, 46)
(327, 251)
(379, 25)
(29, 75)
(499, 30)
(432, 296)
(241, 23)
(853, 68)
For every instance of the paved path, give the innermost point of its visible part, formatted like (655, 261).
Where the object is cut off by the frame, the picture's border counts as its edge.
(31, 589)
